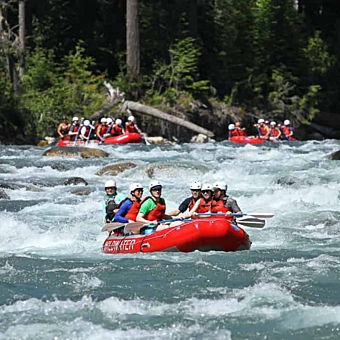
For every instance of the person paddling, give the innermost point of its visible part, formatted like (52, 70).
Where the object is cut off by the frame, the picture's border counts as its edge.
(129, 208)
(222, 202)
(131, 126)
(111, 200)
(74, 129)
(262, 129)
(287, 130)
(101, 130)
(85, 131)
(117, 128)
(203, 205)
(189, 202)
(63, 128)
(153, 208)
(275, 132)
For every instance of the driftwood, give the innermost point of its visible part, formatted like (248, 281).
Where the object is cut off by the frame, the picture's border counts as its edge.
(148, 110)
(116, 97)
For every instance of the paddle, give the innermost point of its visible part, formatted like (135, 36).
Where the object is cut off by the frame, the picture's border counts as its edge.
(252, 224)
(112, 226)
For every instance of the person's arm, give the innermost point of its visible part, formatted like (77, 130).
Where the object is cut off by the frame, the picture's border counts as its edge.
(59, 132)
(144, 209)
(82, 133)
(232, 204)
(98, 132)
(123, 210)
(193, 210)
(138, 129)
(278, 136)
(182, 207)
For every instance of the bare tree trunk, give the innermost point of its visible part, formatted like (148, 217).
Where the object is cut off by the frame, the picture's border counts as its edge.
(132, 37)
(148, 110)
(22, 32)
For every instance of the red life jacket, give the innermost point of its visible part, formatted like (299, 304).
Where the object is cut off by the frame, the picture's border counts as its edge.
(87, 132)
(218, 206)
(103, 130)
(131, 128)
(74, 128)
(204, 206)
(235, 133)
(263, 131)
(156, 213)
(286, 129)
(192, 203)
(116, 130)
(274, 132)
(134, 210)
(242, 133)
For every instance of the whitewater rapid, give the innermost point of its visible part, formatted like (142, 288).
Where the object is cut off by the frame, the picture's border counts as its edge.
(56, 284)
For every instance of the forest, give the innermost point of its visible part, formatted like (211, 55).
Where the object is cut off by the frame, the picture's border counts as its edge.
(203, 60)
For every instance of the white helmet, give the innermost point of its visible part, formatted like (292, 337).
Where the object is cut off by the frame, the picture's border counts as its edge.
(86, 122)
(207, 186)
(75, 118)
(109, 120)
(231, 126)
(118, 121)
(272, 123)
(260, 121)
(154, 184)
(286, 122)
(135, 186)
(103, 120)
(131, 118)
(110, 184)
(197, 185)
(221, 186)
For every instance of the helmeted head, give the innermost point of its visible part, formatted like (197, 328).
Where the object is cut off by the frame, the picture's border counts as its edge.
(109, 120)
(118, 121)
(136, 189)
(220, 188)
(286, 122)
(273, 124)
(131, 119)
(86, 122)
(231, 127)
(266, 122)
(260, 121)
(110, 187)
(155, 188)
(103, 120)
(195, 188)
(207, 190)
(75, 119)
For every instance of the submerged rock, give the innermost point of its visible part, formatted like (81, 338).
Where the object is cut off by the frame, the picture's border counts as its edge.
(43, 143)
(3, 195)
(200, 139)
(75, 151)
(81, 192)
(75, 181)
(335, 156)
(287, 181)
(158, 140)
(115, 169)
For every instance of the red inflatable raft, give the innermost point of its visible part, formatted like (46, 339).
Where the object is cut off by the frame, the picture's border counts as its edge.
(121, 139)
(244, 139)
(200, 234)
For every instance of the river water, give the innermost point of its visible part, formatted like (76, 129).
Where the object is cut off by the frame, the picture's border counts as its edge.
(56, 284)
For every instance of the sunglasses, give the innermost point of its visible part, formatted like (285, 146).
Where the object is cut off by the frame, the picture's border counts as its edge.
(110, 188)
(205, 191)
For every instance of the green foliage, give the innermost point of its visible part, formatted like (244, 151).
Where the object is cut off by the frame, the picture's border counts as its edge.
(51, 91)
(284, 100)
(317, 54)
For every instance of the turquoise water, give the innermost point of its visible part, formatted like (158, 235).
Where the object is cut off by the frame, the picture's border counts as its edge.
(56, 284)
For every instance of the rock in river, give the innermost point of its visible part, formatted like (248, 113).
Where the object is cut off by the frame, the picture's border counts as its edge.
(115, 169)
(75, 151)
(75, 181)
(335, 156)
(3, 195)
(80, 192)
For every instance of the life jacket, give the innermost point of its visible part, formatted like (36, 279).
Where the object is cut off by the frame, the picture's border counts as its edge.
(219, 206)
(286, 129)
(235, 133)
(103, 130)
(134, 210)
(156, 213)
(131, 128)
(262, 130)
(110, 206)
(242, 133)
(116, 130)
(74, 128)
(274, 132)
(204, 206)
(87, 132)
(192, 203)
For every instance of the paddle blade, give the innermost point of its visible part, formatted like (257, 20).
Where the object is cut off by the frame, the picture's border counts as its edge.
(134, 227)
(112, 226)
(261, 215)
(251, 222)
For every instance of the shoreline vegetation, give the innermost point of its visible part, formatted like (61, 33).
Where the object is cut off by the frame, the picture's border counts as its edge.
(217, 63)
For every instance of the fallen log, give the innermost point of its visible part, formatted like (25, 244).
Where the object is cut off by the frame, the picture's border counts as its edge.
(148, 110)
